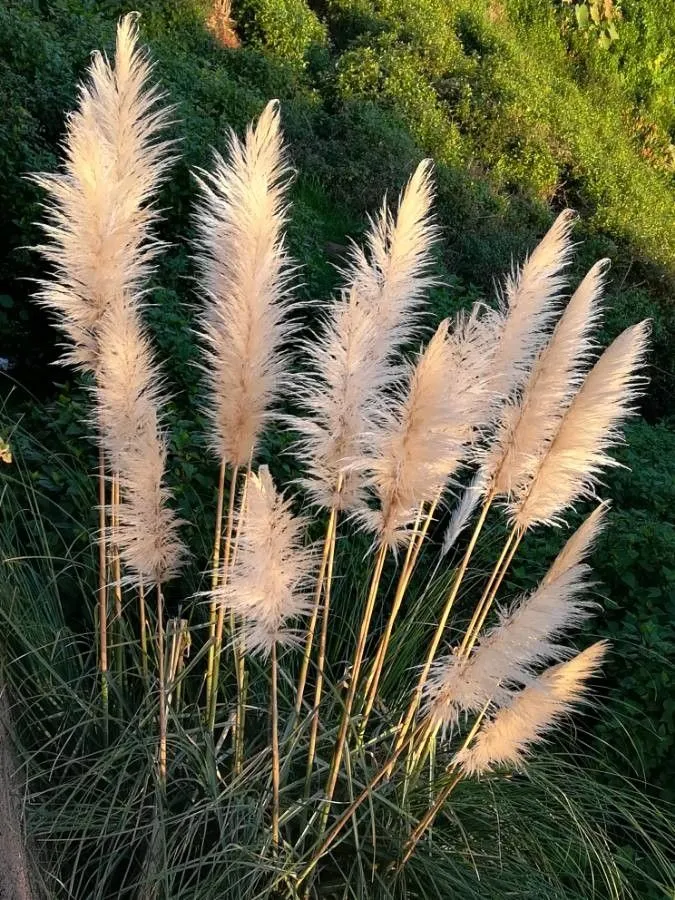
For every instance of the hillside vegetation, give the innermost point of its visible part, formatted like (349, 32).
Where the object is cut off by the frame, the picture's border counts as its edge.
(526, 106)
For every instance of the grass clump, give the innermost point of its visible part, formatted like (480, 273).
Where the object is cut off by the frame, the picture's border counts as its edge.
(143, 718)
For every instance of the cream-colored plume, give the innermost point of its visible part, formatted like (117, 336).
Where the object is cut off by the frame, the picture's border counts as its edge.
(351, 361)
(393, 276)
(525, 637)
(245, 277)
(99, 211)
(129, 402)
(341, 395)
(580, 544)
(423, 433)
(506, 738)
(529, 303)
(568, 466)
(267, 588)
(528, 422)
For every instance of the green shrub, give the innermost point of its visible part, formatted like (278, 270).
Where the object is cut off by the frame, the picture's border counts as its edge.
(287, 28)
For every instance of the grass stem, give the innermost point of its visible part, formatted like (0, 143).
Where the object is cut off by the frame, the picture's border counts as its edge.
(116, 569)
(102, 591)
(274, 710)
(311, 628)
(213, 614)
(212, 702)
(351, 809)
(436, 807)
(488, 593)
(143, 629)
(162, 687)
(442, 622)
(238, 643)
(414, 548)
(353, 684)
(321, 655)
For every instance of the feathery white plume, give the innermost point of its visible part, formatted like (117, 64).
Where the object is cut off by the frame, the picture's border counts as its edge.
(245, 277)
(529, 302)
(350, 363)
(524, 638)
(268, 585)
(461, 515)
(423, 434)
(568, 467)
(129, 400)
(528, 422)
(579, 545)
(99, 211)
(393, 277)
(506, 738)
(341, 395)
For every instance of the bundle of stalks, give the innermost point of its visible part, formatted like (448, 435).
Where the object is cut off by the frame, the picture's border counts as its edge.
(268, 588)
(507, 399)
(246, 281)
(102, 250)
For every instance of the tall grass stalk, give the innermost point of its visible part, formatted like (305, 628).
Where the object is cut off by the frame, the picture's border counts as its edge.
(354, 672)
(327, 581)
(102, 591)
(215, 574)
(414, 547)
(161, 668)
(274, 716)
(440, 628)
(214, 659)
(328, 544)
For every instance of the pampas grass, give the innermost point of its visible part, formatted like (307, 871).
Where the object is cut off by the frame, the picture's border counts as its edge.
(506, 738)
(245, 277)
(101, 247)
(384, 426)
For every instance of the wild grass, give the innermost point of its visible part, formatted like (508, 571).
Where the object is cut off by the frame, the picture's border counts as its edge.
(341, 719)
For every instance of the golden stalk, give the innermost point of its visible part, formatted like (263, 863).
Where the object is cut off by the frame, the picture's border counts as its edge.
(414, 548)
(116, 566)
(275, 749)
(471, 637)
(142, 628)
(102, 590)
(162, 687)
(212, 700)
(486, 592)
(213, 613)
(239, 648)
(353, 685)
(351, 809)
(321, 656)
(452, 596)
(311, 629)
(433, 811)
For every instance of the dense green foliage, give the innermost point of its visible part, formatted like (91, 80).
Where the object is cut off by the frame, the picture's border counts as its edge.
(524, 110)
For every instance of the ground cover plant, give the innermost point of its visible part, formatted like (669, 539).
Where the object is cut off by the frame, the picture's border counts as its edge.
(146, 738)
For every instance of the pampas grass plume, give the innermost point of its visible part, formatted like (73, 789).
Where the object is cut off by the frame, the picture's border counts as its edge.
(245, 278)
(98, 210)
(506, 739)
(569, 466)
(528, 423)
(267, 587)
(129, 399)
(392, 278)
(530, 301)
